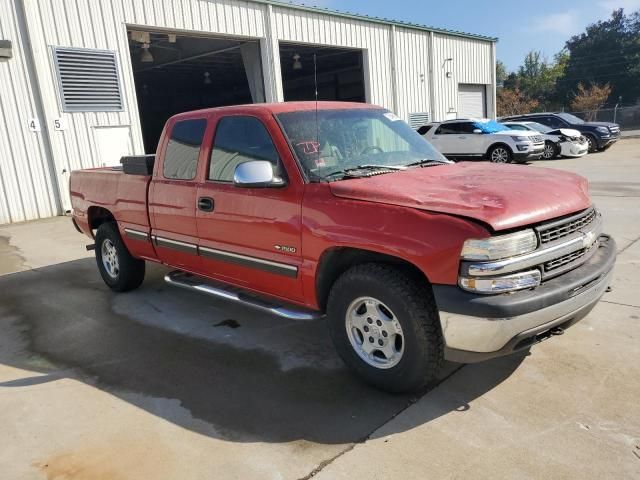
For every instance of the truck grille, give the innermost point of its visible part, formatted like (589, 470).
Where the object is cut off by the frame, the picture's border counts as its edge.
(564, 260)
(561, 229)
(536, 139)
(615, 131)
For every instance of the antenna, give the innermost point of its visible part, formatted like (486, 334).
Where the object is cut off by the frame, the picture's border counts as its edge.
(315, 85)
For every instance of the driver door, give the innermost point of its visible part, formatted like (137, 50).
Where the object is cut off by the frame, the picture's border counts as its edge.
(249, 236)
(467, 142)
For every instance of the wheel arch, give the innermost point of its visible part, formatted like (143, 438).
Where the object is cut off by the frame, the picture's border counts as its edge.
(96, 216)
(337, 260)
(498, 144)
(596, 143)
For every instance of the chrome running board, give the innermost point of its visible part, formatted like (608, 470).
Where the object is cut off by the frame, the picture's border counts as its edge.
(237, 295)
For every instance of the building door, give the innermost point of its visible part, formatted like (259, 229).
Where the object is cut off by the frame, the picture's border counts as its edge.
(472, 101)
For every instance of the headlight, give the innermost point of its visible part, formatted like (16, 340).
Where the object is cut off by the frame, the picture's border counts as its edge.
(520, 138)
(501, 246)
(509, 283)
(602, 129)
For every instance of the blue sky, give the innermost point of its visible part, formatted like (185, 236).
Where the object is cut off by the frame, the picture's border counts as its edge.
(520, 26)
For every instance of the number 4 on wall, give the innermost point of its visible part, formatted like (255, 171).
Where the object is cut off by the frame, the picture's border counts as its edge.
(34, 125)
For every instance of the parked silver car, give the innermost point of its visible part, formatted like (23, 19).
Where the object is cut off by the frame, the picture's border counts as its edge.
(564, 142)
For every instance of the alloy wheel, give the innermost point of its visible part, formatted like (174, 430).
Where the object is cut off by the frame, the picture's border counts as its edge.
(110, 259)
(374, 332)
(499, 155)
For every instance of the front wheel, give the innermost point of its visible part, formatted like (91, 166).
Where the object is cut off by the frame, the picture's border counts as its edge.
(500, 154)
(550, 151)
(385, 327)
(119, 270)
(593, 145)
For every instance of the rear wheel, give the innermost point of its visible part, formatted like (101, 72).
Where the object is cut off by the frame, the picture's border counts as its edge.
(500, 154)
(385, 327)
(119, 270)
(550, 150)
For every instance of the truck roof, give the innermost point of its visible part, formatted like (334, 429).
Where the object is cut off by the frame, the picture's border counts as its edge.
(275, 108)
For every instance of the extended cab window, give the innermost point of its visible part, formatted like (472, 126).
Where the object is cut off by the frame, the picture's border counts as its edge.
(181, 155)
(239, 139)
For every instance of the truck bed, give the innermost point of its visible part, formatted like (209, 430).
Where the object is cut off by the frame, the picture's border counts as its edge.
(125, 196)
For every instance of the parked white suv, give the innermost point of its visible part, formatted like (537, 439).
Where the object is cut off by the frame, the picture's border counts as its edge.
(482, 138)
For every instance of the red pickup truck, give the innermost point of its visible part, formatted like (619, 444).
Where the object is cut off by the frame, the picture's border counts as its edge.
(338, 209)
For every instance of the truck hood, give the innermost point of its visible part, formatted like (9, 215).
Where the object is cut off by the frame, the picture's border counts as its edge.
(501, 196)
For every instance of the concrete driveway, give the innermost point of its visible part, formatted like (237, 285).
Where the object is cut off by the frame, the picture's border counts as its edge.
(165, 384)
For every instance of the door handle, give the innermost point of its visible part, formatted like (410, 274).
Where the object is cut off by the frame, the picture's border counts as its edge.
(206, 204)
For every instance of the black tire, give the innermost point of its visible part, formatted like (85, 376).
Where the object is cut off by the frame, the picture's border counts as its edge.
(593, 143)
(129, 274)
(500, 154)
(413, 306)
(551, 151)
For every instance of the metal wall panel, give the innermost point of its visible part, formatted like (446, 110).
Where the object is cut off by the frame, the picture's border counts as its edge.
(412, 72)
(27, 191)
(102, 24)
(471, 62)
(324, 29)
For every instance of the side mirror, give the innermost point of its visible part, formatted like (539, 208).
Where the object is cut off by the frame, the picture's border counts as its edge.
(477, 130)
(256, 174)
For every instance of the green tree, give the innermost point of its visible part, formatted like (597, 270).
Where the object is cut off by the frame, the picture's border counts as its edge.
(607, 52)
(537, 77)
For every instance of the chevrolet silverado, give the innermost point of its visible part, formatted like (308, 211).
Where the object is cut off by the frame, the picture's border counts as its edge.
(340, 210)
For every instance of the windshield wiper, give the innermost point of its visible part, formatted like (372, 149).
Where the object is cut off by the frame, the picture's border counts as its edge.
(352, 172)
(388, 167)
(426, 162)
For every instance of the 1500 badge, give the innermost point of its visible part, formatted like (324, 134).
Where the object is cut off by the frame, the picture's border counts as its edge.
(285, 248)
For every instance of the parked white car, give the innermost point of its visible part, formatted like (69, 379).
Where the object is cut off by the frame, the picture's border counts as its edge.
(565, 142)
(482, 138)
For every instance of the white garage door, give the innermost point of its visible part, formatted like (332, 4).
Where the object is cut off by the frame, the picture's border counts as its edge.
(471, 101)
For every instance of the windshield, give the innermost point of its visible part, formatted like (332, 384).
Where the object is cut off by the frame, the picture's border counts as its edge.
(571, 118)
(539, 127)
(350, 138)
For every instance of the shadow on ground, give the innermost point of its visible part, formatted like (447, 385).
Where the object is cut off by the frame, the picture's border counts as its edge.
(248, 376)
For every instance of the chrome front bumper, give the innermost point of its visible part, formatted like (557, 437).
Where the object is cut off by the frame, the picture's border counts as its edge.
(476, 327)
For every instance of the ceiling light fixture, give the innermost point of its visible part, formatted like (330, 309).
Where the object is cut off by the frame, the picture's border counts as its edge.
(297, 64)
(145, 56)
(207, 78)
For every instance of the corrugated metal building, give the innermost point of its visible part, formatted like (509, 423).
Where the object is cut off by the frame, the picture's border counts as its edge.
(83, 82)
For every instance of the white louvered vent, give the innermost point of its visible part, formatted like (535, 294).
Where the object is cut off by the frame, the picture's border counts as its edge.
(88, 79)
(418, 119)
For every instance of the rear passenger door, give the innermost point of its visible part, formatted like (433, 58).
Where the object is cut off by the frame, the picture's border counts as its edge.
(250, 236)
(172, 194)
